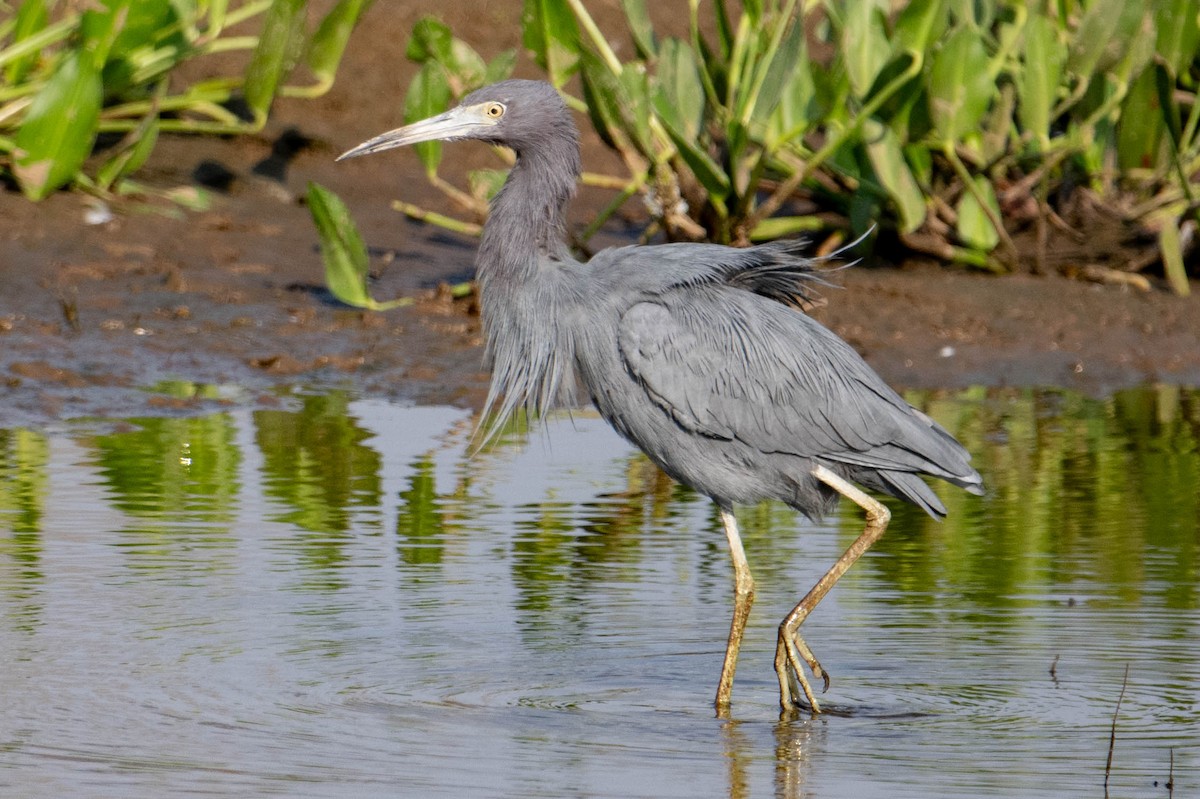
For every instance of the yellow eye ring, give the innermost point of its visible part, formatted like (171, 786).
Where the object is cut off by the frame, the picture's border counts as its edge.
(494, 110)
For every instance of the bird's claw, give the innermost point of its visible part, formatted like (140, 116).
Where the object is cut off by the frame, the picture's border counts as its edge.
(793, 686)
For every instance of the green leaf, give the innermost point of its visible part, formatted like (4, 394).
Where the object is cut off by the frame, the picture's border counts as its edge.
(99, 27)
(428, 95)
(552, 36)
(1140, 129)
(640, 27)
(31, 18)
(1040, 77)
(430, 40)
(975, 229)
(887, 159)
(779, 74)
(919, 24)
(959, 85)
(864, 44)
(500, 67)
(1178, 26)
(57, 133)
(679, 93)
(635, 104)
(342, 248)
(710, 174)
(1097, 42)
(328, 44)
(131, 157)
(274, 56)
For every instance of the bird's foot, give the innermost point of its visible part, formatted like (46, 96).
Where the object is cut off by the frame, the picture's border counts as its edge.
(790, 652)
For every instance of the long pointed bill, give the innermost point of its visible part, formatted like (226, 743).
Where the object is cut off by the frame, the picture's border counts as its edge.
(457, 123)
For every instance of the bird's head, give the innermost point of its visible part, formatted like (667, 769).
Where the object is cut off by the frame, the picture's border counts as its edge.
(521, 114)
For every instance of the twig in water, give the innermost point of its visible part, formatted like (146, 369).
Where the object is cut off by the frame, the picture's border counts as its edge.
(1112, 736)
(1054, 669)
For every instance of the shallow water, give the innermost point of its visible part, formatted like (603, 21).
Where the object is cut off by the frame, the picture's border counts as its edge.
(332, 599)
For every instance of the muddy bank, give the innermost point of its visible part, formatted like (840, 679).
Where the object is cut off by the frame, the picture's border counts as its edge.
(232, 297)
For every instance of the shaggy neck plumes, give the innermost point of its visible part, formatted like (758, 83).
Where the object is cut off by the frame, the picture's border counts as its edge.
(520, 280)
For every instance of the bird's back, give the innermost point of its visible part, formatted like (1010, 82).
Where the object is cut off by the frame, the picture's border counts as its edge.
(698, 360)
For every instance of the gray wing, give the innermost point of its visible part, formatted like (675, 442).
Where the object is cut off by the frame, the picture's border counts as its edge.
(729, 364)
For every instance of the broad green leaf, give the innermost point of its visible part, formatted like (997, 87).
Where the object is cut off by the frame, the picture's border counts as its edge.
(710, 174)
(919, 24)
(600, 90)
(328, 44)
(1140, 129)
(797, 111)
(779, 74)
(274, 56)
(99, 28)
(31, 18)
(975, 229)
(552, 36)
(635, 104)
(1041, 74)
(149, 31)
(430, 40)
(640, 27)
(500, 67)
(679, 94)
(57, 133)
(343, 251)
(142, 24)
(960, 87)
(1178, 26)
(428, 95)
(1099, 41)
(864, 44)
(466, 66)
(887, 159)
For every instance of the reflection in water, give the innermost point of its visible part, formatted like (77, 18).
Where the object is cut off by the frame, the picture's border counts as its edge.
(334, 598)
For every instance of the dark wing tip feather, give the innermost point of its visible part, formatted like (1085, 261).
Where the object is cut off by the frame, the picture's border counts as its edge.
(780, 271)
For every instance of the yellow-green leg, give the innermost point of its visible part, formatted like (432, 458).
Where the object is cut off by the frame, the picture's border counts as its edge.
(743, 598)
(791, 649)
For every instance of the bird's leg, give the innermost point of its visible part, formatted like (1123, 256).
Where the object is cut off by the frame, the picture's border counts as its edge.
(791, 648)
(743, 598)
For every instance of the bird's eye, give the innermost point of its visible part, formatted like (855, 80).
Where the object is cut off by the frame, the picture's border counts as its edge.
(494, 110)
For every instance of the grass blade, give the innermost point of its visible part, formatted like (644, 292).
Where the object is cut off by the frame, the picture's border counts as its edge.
(328, 44)
(274, 56)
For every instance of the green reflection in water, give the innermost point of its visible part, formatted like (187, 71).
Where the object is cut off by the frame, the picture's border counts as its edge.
(1081, 493)
(420, 522)
(1103, 488)
(177, 481)
(23, 481)
(316, 464)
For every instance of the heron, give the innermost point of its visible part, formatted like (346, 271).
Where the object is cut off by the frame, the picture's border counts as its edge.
(698, 354)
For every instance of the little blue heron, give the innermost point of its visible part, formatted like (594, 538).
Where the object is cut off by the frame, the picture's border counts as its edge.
(696, 353)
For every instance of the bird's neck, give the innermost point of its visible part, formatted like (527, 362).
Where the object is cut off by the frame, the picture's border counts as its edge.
(523, 287)
(527, 222)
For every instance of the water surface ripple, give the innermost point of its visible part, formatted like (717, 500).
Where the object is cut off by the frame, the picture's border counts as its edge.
(333, 599)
